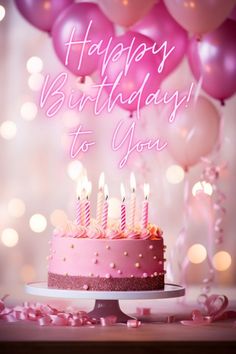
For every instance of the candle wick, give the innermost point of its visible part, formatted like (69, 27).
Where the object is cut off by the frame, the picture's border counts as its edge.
(123, 200)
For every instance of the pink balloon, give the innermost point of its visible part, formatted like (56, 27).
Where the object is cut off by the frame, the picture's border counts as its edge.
(214, 59)
(78, 17)
(42, 13)
(125, 13)
(199, 16)
(194, 132)
(232, 15)
(137, 72)
(160, 26)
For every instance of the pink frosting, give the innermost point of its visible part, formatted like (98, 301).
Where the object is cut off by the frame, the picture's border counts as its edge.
(95, 231)
(145, 234)
(133, 234)
(113, 234)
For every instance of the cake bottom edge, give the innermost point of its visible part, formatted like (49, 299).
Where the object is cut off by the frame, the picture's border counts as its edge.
(59, 281)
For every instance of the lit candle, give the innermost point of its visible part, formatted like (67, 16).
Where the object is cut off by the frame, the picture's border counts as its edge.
(132, 201)
(87, 204)
(146, 190)
(105, 208)
(79, 204)
(100, 197)
(123, 208)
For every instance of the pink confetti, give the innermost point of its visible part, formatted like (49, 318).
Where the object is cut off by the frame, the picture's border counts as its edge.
(133, 323)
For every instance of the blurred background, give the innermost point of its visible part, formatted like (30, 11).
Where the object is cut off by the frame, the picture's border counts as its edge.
(38, 178)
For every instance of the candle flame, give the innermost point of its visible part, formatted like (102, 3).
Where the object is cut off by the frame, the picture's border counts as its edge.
(106, 192)
(79, 188)
(101, 181)
(146, 190)
(89, 188)
(132, 182)
(122, 192)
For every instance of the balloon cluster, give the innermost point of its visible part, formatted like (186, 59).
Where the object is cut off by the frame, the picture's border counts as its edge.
(212, 59)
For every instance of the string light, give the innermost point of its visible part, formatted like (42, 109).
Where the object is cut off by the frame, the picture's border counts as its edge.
(8, 130)
(28, 111)
(34, 65)
(38, 223)
(2, 12)
(197, 253)
(174, 174)
(202, 186)
(9, 237)
(222, 261)
(35, 81)
(16, 207)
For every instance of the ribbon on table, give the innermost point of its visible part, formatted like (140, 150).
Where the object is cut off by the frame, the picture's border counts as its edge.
(44, 315)
(215, 307)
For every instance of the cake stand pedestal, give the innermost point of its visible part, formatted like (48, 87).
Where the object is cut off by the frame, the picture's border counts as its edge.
(107, 303)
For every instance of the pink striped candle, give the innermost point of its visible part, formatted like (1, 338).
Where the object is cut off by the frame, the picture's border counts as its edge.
(105, 209)
(123, 208)
(78, 212)
(132, 201)
(87, 213)
(145, 207)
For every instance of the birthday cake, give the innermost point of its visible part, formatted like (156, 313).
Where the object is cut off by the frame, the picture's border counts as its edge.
(105, 255)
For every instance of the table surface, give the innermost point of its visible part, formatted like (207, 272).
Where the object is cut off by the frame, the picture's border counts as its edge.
(154, 329)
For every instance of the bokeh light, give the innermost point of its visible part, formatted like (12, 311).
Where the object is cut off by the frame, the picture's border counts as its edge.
(197, 253)
(9, 237)
(2, 12)
(34, 65)
(16, 207)
(174, 174)
(27, 273)
(35, 81)
(202, 186)
(38, 223)
(28, 111)
(58, 218)
(222, 261)
(75, 169)
(114, 208)
(8, 130)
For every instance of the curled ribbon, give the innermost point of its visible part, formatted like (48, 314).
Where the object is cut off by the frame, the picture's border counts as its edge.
(215, 306)
(44, 315)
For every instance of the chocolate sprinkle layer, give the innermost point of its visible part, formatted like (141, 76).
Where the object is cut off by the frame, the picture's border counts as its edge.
(60, 281)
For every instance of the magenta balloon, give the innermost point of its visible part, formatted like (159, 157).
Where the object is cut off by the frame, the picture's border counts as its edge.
(214, 59)
(42, 13)
(125, 13)
(135, 76)
(194, 133)
(160, 26)
(200, 16)
(78, 16)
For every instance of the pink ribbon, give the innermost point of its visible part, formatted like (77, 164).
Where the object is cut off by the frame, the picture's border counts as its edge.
(215, 306)
(44, 315)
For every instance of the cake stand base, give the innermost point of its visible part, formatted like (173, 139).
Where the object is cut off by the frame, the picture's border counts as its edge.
(104, 308)
(107, 302)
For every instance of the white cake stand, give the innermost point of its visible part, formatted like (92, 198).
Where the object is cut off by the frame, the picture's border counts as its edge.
(107, 303)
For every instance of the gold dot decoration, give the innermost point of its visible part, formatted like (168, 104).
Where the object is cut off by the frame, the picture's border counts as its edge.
(137, 265)
(140, 255)
(125, 253)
